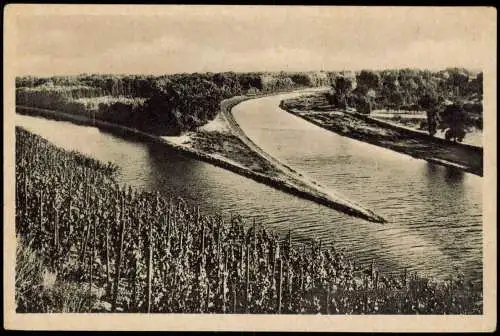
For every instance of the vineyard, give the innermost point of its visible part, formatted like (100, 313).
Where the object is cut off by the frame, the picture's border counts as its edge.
(125, 250)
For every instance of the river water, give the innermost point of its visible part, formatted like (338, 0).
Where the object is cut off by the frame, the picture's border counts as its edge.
(434, 213)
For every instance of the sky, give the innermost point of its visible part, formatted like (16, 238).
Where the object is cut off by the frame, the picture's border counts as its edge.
(58, 40)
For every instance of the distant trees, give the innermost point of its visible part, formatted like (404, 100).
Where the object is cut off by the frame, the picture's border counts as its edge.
(406, 88)
(272, 83)
(458, 80)
(171, 104)
(344, 84)
(413, 89)
(166, 105)
(367, 79)
(475, 87)
(316, 79)
(429, 101)
(51, 97)
(301, 79)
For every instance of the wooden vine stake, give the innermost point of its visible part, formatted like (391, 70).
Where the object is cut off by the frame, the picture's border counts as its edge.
(169, 218)
(85, 240)
(118, 262)
(108, 276)
(150, 262)
(207, 297)
(275, 251)
(234, 299)
(92, 256)
(41, 210)
(26, 193)
(327, 303)
(289, 252)
(301, 277)
(247, 280)
(200, 283)
(365, 301)
(56, 229)
(70, 191)
(255, 259)
(289, 284)
(224, 280)
(17, 197)
(202, 231)
(280, 280)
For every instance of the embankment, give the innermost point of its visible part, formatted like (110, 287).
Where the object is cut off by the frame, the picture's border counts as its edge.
(401, 139)
(307, 186)
(418, 134)
(289, 183)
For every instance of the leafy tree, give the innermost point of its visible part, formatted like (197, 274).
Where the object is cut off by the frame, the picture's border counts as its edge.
(301, 79)
(454, 118)
(344, 84)
(475, 86)
(458, 80)
(428, 100)
(362, 103)
(396, 99)
(368, 79)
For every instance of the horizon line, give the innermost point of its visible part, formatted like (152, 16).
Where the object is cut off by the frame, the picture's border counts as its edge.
(471, 69)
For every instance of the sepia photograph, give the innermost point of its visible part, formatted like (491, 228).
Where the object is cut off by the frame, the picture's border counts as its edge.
(307, 168)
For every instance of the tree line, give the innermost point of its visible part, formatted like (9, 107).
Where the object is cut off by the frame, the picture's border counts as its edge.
(172, 104)
(407, 89)
(164, 105)
(452, 98)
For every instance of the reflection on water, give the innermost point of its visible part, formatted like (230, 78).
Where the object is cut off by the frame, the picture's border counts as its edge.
(435, 214)
(454, 176)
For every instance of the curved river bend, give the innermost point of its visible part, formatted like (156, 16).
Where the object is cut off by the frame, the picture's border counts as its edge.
(434, 213)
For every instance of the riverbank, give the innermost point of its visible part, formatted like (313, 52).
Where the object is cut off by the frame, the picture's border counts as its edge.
(232, 154)
(416, 121)
(316, 109)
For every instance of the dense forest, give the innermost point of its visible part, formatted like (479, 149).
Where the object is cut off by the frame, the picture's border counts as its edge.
(163, 105)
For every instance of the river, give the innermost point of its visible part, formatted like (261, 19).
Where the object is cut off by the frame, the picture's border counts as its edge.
(434, 213)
